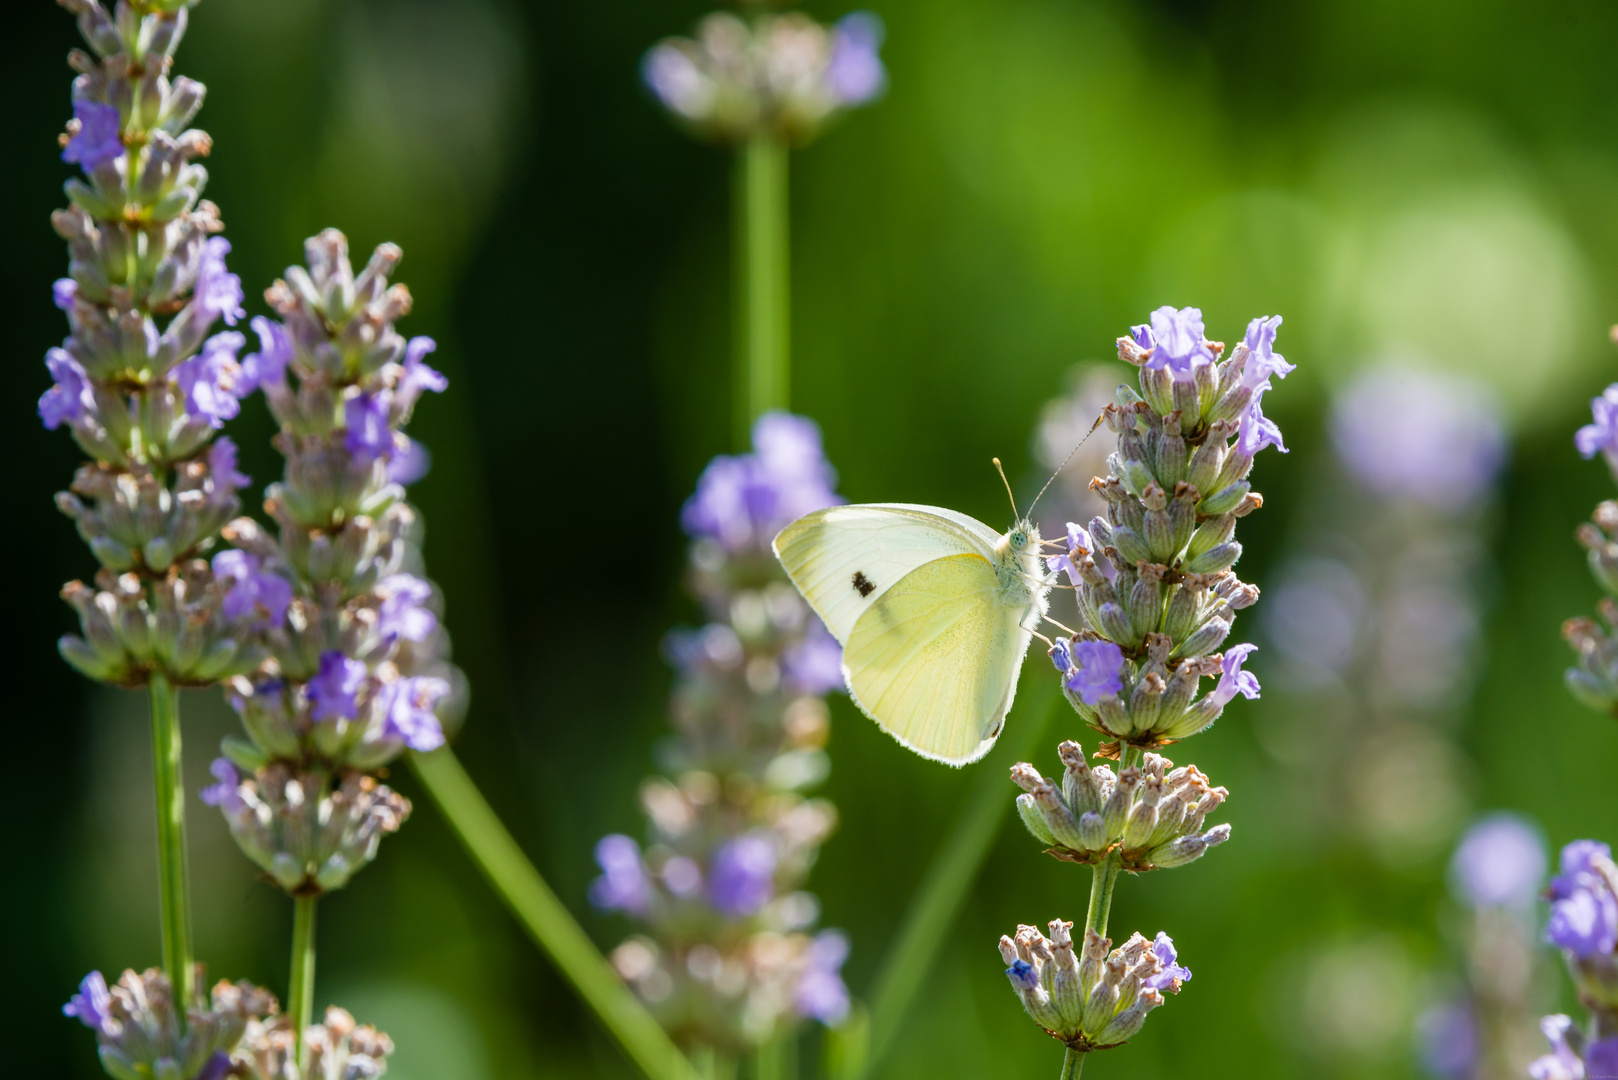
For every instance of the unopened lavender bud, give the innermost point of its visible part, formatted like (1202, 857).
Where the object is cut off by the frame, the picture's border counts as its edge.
(1219, 557)
(1146, 600)
(1142, 821)
(1117, 625)
(1129, 1021)
(1028, 810)
(1116, 813)
(1206, 638)
(1078, 781)
(1102, 1002)
(1187, 403)
(1211, 533)
(1225, 500)
(1145, 703)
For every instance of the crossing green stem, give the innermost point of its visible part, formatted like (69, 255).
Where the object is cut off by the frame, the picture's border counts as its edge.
(171, 868)
(301, 991)
(762, 378)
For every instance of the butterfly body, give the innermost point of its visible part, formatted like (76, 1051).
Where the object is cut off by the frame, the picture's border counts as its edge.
(934, 611)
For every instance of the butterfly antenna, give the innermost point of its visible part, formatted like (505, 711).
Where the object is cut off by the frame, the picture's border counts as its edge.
(1001, 470)
(1065, 460)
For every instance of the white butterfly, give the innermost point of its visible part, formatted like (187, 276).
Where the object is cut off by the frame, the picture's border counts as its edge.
(934, 611)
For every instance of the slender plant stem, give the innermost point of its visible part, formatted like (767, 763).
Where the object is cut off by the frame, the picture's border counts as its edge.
(937, 900)
(1073, 1064)
(301, 991)
(1104, 877)
(777, 1059)
(762, 367)
(171, 866)
(545, 919)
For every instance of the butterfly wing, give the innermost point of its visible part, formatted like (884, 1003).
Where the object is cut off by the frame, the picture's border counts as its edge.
(845, 558)
(934, 660)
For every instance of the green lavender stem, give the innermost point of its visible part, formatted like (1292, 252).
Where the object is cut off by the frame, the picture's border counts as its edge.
(926, 924)
(1072, 1064)
(301, 991)
(763, 371)
(546, 920)
(172, 882)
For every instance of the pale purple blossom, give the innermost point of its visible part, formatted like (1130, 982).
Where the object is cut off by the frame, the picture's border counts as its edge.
(268, 366)
(407, 711)
(402, 613)
(225, 793)
(1091, 669)
(409, 464)
(1601, 434)
(821, 993)
(1420, 436)
(71, 398)
(1584, 912)
(366, 418)
(1499, 863)
(99, 138)
(222, 465)
(1447, 1039)
(1262, 360)
(742, 502)
(683, 876)
(1256, 431)
(92, 1005)
(1563, 1062)
(813, 665)
(63, 293)
(854, 74)
(1173, 973)
(1232, 679)
(1078, 545)
(209, 380)
(417, 375)
(1601, 1059)
(218, 292)
(1177, 341)
(334, 691)
(624, 884)
(251, 589)
(677, 81)
(741, 879)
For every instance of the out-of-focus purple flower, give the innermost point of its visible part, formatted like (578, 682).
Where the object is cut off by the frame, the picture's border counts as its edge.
(407, 711)
(741, 879)
(1262, 360)
(1499, 863)
(334, 690)
(624, 884)
(742, 502)
(1601, 434)
(92, 1005)
(222, 465)
(99, 138)
(682, 876)
(1178, 342)
(1173, 973)
(63, 291)
(1601, 1059)
(268, 366)
(821, 993)
(1091, 669)
(251, 589)
(715, 644)
(410, 464)
(1584, 912)
(1232, 679)
(366, 418)
(71, 398)
(209, 380)
(1563, 1062)
(814, 665)
(218, 291)
(1023, 975)
(1447, 1040)
(417, 375)
(678, 82)
(1256, 431)
(1430, 438)
(217, 1067)
(223, 794)
(401, 613)
(854, 74)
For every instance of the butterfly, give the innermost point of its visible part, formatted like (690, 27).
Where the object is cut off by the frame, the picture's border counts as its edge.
(934, 610)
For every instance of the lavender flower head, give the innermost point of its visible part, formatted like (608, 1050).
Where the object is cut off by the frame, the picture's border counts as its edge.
(1584, 910)
(623, 884)
(742, 502)
(1176, 341)
(140, 1033)
(97, 135)
(742, 878)
(1427, 438)
(1091, 669)
(92, 1004)
(1500, 863)
(821, 993)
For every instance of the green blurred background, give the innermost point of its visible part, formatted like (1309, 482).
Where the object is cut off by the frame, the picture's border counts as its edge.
(1429, 179)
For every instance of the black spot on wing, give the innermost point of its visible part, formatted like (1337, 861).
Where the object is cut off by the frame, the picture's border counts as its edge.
(862, 584)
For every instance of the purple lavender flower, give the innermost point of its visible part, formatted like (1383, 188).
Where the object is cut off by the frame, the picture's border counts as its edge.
(1562, 1063)
(813, 666)
(251, 589)
(222, 464)
(268, 366)
(1601, 435)
(99, 138)
(334, 690)
(218, 292)
(1091, 669)
(1262, 360)
(679, 84)
(1173, 974)
(1429, 438)
(92, 1004)
(855, 74)
(407, 711)
(683, 877)
(63, 292)
(741, 879)
(1178, 342)
(1447, 1037)
(417, 375)
(1256, 431)
(1499, 863)
(1078, 543)
(71, 398)
(1023, 975)
(1584, 912)
(225, 794)
(1141, 334)
(218, 1067)
(410, 464)
(401, 614)
(1601, 1058)
(624, 884)
(1233, 680)
(366, 418)
(742, 502)
(821, 993)
(208, 381)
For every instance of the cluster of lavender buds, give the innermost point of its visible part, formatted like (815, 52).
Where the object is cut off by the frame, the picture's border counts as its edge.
(337, 1049)
(141, 1034)
(354, 669)
(1096, 1001)
(725, 961)
(1156, 597)
(1583, 924)
(783, 76)
(1151, 815)
(139, 382)
(1595, 680)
